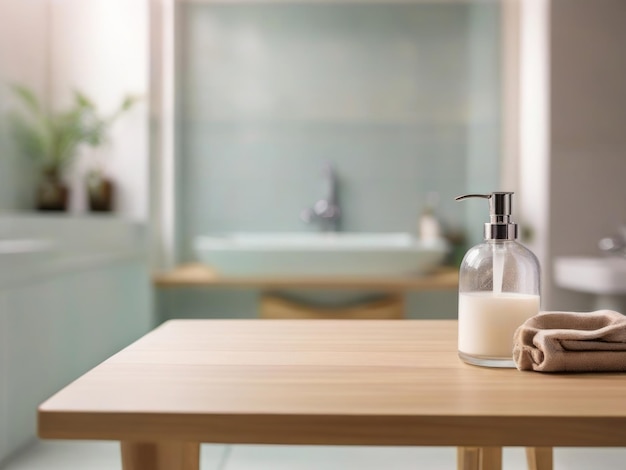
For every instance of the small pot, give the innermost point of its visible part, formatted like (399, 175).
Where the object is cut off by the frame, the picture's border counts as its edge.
(52, 192)
(101, 192)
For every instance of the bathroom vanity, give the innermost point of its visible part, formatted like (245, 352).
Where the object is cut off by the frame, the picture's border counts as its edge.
(387, 299)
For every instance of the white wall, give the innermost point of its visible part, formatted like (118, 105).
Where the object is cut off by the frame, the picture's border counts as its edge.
(23, 59)
(573, 162)
(22, 42)
(534, 186)
(588, 133)
(99, 47)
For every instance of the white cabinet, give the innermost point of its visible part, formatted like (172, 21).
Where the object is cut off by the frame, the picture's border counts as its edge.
(30, 359)
(55, 328)
(3, 383)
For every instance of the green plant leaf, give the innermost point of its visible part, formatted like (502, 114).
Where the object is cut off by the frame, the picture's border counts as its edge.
(82, 101)
(32, 142)
(53, 138)
(30, 125)
(27, 97)
(129, 102)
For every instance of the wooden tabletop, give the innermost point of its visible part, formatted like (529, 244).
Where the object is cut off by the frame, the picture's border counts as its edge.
(199, 275)
(368, 382)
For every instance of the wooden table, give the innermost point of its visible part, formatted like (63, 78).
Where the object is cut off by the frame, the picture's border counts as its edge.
(369, 382)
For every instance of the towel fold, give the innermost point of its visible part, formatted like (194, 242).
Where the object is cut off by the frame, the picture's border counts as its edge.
(572, 342)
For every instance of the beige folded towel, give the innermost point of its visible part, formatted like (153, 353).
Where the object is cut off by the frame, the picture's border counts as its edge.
(572, 342)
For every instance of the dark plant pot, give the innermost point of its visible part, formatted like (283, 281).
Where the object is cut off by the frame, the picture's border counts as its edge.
(52, 192)
(101, 192)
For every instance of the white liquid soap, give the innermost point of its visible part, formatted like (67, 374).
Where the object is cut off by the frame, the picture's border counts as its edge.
(498, 289)
(428, 227)
(487, 322)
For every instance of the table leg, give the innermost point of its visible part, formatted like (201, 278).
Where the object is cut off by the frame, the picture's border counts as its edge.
(467, 458)
(539, 458)
(490, 458)
(479, 458)
(160, 455)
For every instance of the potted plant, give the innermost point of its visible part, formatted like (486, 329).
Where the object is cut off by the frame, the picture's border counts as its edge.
(52, 140)
(100, 188)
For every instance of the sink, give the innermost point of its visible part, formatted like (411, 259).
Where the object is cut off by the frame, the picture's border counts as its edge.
(320, 254)
(601, 276)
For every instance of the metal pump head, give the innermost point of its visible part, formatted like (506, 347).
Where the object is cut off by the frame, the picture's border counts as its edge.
(500, 225)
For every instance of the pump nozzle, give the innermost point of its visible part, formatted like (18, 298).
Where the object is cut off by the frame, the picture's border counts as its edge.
(500, 226)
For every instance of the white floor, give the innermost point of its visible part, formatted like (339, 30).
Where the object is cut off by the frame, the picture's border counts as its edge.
(84, 455)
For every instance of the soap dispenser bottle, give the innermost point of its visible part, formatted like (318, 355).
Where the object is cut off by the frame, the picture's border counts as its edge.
(498, 288)
(428, 226)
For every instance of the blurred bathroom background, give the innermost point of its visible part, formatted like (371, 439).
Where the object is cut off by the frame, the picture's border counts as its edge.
(403, 99)
(243, 103)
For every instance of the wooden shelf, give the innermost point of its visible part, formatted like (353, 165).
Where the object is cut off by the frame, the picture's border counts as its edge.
(198, 275)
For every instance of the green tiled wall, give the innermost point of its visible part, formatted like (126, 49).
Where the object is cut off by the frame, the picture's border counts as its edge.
(402, 99)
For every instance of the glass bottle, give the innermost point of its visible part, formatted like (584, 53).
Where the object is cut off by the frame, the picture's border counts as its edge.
(499, 288)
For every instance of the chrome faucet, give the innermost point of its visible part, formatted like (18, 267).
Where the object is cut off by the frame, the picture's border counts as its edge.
(326, 211)
(615, 245)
